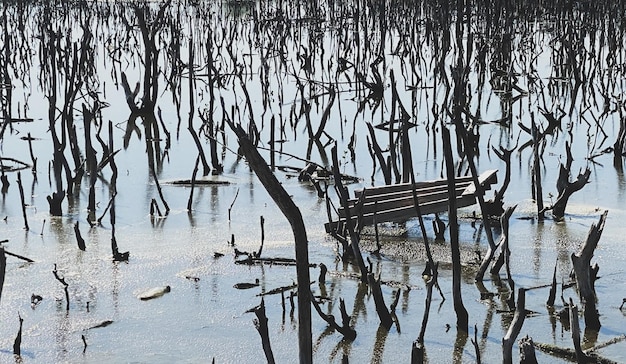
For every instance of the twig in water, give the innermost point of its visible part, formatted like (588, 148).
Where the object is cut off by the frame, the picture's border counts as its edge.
(65, 285)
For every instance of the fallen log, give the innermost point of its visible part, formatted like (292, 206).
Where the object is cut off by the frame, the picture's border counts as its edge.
(19, 256)
(570, 354)
(251, 260)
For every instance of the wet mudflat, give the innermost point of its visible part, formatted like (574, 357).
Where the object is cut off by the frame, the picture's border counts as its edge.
(111, 109)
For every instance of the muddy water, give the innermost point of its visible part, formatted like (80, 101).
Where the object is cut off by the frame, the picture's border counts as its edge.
(287, 65)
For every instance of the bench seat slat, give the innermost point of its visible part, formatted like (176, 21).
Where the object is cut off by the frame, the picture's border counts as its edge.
(394, 203)
(400, 200)
(404, 187)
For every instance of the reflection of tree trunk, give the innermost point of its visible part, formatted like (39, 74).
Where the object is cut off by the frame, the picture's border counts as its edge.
(620, 143)
(379, 344)
(581, 357)
(514, 328)
(205, 165)
(383, 313)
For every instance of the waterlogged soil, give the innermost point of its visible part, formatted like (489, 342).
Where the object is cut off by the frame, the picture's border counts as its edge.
(282, 63)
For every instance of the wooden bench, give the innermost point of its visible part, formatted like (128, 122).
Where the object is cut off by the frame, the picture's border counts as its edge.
(394, 203)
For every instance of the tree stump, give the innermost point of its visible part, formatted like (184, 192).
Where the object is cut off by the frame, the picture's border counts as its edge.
(585, 274)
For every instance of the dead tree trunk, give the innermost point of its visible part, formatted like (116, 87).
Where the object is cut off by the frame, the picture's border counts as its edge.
(261, 325)
(565, 187)
(21, 189)
(491, 251)
(417, 353)
(92, 163)
(527, 351)
(384, 167)
(293, 215)
(537, 190)
(348, 332)
(462, 316)
(193, 184)
(18, 339)
(343, 196)
(585, 274)
(505, 251)
(552, 295)
(79, 239)
(495, 207)
(3, 267)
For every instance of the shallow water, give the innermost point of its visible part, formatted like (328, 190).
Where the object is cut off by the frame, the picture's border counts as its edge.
(204, 316)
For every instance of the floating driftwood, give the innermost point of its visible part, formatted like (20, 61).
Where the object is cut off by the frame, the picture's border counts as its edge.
(104, 323)
(251, 260)
(577, 354)
(281, 289)
(200, 182)
(17, 165)
(246, 285)
(154, 293)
